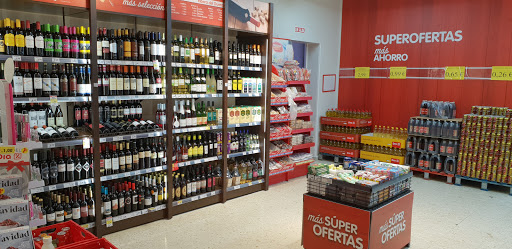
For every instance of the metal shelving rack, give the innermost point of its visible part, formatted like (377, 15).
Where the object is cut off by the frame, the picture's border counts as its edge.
(171, 207)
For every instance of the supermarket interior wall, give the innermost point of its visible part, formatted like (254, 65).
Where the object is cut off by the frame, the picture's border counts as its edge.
(485, 42)
(322, 22)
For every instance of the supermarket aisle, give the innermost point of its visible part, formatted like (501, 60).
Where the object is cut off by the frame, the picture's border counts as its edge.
(444, 216)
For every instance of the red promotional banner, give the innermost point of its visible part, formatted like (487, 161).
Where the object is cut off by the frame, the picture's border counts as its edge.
(327, 224)
(391, 224)
(208, 12)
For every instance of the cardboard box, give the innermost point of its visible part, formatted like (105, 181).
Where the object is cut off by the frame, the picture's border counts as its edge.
(14, 213)
(256, 113)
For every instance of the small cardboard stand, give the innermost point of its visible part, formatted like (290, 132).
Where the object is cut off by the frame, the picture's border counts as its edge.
(327, 224)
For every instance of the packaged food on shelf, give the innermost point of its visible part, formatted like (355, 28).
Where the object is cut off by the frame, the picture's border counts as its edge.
(434, 128)
(438, 109)
(296, 92)
(280, 130)
(292, 72)
(303, 108)
(301, 139)
(300, 124)
(299, 157)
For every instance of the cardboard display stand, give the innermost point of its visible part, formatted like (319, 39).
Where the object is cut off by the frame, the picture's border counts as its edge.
(328, 224)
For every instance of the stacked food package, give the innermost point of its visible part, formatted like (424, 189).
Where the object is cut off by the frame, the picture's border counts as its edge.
(485, 144)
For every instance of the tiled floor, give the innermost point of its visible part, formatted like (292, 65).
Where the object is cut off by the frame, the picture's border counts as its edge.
(444, 216)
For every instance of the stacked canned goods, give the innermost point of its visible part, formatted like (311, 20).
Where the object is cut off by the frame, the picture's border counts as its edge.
(485, 144)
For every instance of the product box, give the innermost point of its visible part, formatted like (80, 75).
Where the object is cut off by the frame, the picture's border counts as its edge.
(256, 113)
(250, 117)
(244, 114)
(19, 238)
(14, 213)
(11, 186)
(219, 116)
(232, 116)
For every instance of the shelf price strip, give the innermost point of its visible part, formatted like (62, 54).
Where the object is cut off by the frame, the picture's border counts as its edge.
(362, 73)
(398, 73)
(501, 73)
(454, 73)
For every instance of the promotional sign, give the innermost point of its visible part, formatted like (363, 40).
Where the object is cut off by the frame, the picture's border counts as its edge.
(248, 15)
(391, 224)
(15, 162)
(208, 12)
(327, 224)
(424, 34)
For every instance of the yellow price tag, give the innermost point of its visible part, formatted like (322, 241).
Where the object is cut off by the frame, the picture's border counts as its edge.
(109, 221)
(53, 100)
(362, 73)
(207, 128)
(250, 184)
(180, 202)
(7, 150)
(454, 73)
(397, 72)
(501, 73)
(2, 191)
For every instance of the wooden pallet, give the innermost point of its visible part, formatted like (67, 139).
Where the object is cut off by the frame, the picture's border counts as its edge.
(483, 183)
(427, 173)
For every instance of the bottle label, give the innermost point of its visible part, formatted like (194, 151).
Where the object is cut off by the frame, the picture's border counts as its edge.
(108, 164)
(145, 83)
(84, 211)
(9, 40)
(105, 47)
(2, 46)
(29, 41)
(120, 84)
(81, 88)
(47, 84)
(75, 47)
(48, 44)
(140, 89)
(148, 201)
(115, 163)
(57, 45)
(127, 49)
(91, 211)
(126, 84)
(18, 83)
(133, 84)
(115, 204)
(152, 89)
(128, 160)
(66, 47)
(50, 217)
(28, 85)
(83, 47)
(107, 206)
(20, 41)
(55, 84)
(70, 167)
(113, 48)
(39, 42)
(122, 160)
(61, 167)
(113, 84)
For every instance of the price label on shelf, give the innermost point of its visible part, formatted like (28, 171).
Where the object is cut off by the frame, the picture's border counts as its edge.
(117, 138)
(397, 72)
(180, 202)
(16, 58)
(53, 100)
(52, 187)
(156, 65)
(109, 221)
(362, 73)
(38, 59)
(454, 73)
(86, 143)
(74, 61)
(50, 145)
(501, 73)
(194, 198)
(236, 187)
(55, 60)
(249, 184)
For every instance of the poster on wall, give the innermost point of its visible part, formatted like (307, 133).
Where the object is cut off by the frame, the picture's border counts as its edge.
(282, 51)
(248, 15)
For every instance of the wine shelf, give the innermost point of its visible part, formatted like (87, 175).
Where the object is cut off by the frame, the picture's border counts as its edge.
(67, 143)
(27, 100)
(61, 186)
(135, 214)
(213, 127)
(88, 225)
(132, 173)
(45, 59)
(128, 63)
(131, 97)
(245, 185)
(195, 198)
(131, 136)
(245, 153)
(198, 161)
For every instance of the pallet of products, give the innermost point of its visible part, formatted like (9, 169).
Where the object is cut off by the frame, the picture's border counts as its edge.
(485, 147)
(341, 133)
(364, 185)
(386, 144)
(433, 142)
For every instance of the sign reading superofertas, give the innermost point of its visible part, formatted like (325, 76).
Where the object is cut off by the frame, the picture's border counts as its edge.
(383, 53)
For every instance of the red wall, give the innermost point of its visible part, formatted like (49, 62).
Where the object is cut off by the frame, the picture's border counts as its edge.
(487, 41)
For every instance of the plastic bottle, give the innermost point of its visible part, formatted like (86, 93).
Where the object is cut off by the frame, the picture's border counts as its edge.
(449, 148)
(456, 130)
(445, 129)
(433, 146)
(454, 110)
(410, 126)
(423, 161)
(47, 243)
(433, 109)
(425, 108)
(410, 159)
(421, 145)
(451, 129)
(410, 144)
(435, 163)
(450, 165)
(417, 125)
(442, 148)
(428, 128)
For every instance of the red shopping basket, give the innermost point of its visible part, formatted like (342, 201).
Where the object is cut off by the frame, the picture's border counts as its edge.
(91, 244)
(75, 234)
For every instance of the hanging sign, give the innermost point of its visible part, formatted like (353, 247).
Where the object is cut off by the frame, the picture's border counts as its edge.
(501, 73)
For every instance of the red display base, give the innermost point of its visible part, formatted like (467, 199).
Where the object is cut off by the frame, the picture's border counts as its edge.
(350, 122)
(300, 170)
(328, 224)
